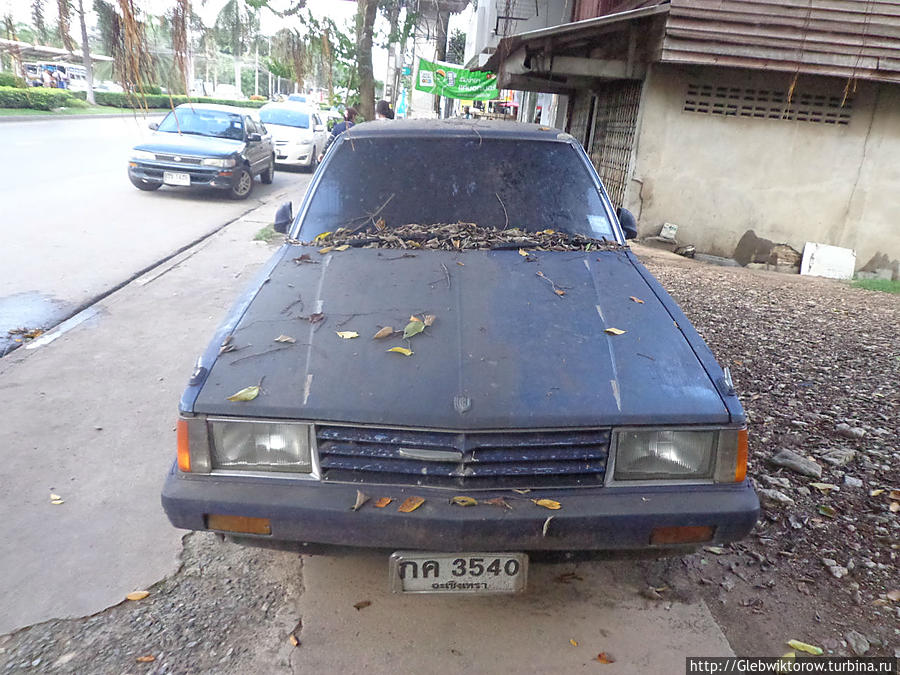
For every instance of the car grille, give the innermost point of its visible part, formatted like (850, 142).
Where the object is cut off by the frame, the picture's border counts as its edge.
(463, 460)
(181, 159)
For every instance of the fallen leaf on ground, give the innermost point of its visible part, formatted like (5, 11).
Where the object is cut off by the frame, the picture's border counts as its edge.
(326, 249)
(320, 237)
(410, 504)
(560, 292)
(347, 334)
(381, 502)
(294, 640)
(875, 493)
(498, 501)
(285, 338)
(461, 264)
(827, 511)
(523, 253)
(567, 577)
(387, 331)
(804, 647)
(521, 492)
(895, 494)
(546, 527)
(305, 258)
(429, 319)
(137, 595)
(413, 317)
(637, 300)
(342, 248)
(316, 318)
(361, 498)
(894, 507)
(716, 550)
(57, 502)
(362, 604)
(149, 658)
(463, 501)
(603, 657)
(572, 642)
(54, 497)
(414, 327)
(614, 331)
(402, 350)
(548, 504)
(894, 595)
(824, 487)
(245, 394)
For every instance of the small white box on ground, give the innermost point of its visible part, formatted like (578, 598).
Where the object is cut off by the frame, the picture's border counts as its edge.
(822, 260)
(668, 231)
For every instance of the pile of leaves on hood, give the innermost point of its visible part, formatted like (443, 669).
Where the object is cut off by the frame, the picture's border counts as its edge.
(458, 237)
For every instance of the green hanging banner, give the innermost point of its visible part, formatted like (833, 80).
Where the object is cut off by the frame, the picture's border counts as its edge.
(445, 79)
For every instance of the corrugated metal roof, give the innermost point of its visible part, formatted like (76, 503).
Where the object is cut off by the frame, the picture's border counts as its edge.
(845, 38)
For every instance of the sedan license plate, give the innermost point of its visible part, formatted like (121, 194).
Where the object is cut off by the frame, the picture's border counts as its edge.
(175, 178)
(467, 573)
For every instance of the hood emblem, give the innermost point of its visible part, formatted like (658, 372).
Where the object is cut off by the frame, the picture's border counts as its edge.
(462, 403)
(177, 158)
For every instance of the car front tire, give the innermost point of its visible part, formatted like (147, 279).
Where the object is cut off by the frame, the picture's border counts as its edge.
(313, 161)
(243, 183)
(268, 175)
(146, 186)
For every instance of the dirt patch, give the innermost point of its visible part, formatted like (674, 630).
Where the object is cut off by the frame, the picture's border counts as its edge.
(816, 364)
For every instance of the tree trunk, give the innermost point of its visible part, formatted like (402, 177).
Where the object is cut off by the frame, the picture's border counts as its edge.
(440, 48)
(256, 73)
(367, 9)
(86, 56)
(236, 40)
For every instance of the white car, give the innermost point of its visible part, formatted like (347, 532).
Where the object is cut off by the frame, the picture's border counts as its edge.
(299, 133)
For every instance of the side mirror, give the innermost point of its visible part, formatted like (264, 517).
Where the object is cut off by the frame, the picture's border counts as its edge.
(319, 127)
(628, 223)
(154, 125)
(284, 216)
(254, 138)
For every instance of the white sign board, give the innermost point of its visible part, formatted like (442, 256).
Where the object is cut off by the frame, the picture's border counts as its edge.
(834, 262)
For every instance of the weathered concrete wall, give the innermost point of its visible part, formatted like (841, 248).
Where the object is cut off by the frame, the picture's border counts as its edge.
(719, 177)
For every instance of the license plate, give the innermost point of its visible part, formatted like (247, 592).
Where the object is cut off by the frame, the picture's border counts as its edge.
(466, 573)
(174, 178)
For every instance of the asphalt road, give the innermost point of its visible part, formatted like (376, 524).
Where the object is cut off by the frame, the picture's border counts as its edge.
(73, 226)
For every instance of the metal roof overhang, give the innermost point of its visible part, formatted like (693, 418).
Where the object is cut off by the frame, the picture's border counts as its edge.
(26, 50)
(545, 59)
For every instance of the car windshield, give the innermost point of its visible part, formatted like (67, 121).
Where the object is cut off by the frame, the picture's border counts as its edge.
(216, 123)
(504, 183)
(285, 117)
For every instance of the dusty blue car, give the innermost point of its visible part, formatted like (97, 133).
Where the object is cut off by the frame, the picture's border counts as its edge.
(465, 364)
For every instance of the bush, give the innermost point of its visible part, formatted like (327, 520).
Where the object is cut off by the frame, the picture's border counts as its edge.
(120, 100)
(43, 98)
(10, 80)
(39, 98)
(11, 97)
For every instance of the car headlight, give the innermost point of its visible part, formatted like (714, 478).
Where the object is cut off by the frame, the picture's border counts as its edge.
(218, 161)
(261, 446)
(681, 454)
(142, 154)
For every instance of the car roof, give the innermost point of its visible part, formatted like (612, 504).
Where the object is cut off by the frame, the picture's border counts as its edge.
(460, 127)
(218, 106)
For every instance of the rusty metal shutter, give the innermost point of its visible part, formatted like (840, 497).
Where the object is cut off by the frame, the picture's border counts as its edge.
(614, 124)
(581, 116)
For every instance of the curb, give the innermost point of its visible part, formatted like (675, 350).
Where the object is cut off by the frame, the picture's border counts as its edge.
(101, 116)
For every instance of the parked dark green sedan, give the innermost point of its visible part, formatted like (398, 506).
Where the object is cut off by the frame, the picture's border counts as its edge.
(205, 146)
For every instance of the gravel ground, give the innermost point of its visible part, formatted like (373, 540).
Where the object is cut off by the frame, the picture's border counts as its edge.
(817, 366)
(229, 610)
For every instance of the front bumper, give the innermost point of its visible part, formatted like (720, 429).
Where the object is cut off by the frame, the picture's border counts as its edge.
(206, 176)
(295, 154)
(590, 519)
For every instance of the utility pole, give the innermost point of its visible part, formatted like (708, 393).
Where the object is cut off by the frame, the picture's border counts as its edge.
(256, 72)
(440, 50)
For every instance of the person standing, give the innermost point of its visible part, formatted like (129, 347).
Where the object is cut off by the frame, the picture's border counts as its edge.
(383, 110)
(349, 120)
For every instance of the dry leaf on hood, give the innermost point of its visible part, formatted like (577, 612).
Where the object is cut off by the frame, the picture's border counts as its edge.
(149, 658)
(316, 318)
(548, 504)
(546, 527)
(521, 492)
(245, 394)
(387, 331)
(320, 237)
(411, 504)
(429, 319)
(498, 501)
(402, 350)
(347, 334)
(54, 497)
(560, 292)
(57, 502)
(614, 331)
(342, 248)
(326, 249)
(572, 642)
(523, 253)
(463, 501)
(381, 502)
(413, 328)
(137, 595)
(637, 300)
(361, 498)
(285, 338)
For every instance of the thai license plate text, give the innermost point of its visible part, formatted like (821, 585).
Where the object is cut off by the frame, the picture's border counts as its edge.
(469, 573)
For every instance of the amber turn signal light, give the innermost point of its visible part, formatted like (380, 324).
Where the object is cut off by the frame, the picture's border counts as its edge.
(184, 449)
(681, 534)
(242, 524)
(740, 469)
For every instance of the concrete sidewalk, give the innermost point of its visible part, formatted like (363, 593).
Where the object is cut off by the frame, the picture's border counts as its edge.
(90, 416)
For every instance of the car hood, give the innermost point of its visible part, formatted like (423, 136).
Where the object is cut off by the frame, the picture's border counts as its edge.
(283, 132)
(190, 144)
(504, 351)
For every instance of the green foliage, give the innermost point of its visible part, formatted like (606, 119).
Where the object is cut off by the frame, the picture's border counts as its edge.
(456, 49)
(131, 101)
(10, 80)
(883, 285)
(39, 98)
